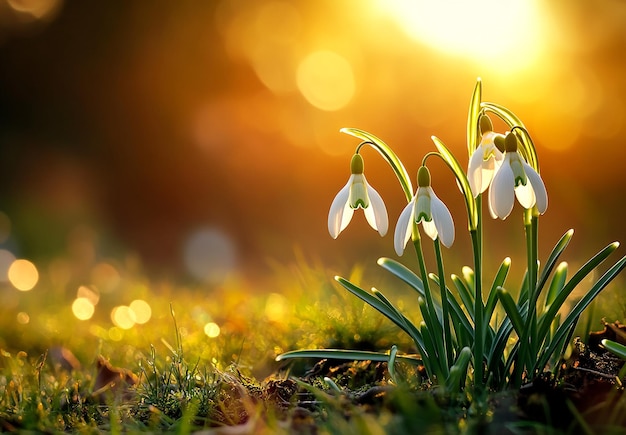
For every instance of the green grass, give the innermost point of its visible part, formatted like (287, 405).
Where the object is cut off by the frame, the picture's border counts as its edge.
(188, 381)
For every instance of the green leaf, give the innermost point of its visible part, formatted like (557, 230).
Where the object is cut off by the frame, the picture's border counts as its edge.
(459, 319)
(458, 372)
(472, 118)
(391, 364)
(498, 281)
(554, 256)
(350, 355)
(561, 297)
(572, 316)
(404, 273)
(557, 283)
(615, 348)
(511, 310)
(388, 155)
(463, 183)
(384, 308)
(464, 294)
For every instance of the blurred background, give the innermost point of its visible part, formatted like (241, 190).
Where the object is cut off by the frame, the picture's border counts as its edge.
(200, 140)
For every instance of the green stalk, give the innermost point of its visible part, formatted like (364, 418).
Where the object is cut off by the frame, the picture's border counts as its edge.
(479, 336)
(527, 351)
(435, 326)
(447, 335)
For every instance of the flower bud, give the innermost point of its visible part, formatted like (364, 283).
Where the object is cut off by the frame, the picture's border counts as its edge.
(485, 124)
(423, 177)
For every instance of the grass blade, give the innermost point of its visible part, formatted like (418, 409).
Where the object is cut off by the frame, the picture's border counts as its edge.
(351, 355)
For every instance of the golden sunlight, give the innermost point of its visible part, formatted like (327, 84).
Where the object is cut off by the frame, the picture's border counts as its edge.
(326, 80)
(23, 275)
(503, 31)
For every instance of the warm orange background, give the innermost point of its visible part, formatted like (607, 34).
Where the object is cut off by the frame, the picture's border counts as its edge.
(138, 124)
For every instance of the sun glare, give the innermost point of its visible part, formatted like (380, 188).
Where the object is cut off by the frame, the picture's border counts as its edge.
(506, 31)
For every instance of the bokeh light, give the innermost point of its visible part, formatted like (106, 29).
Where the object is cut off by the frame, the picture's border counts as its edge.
(123, 317)
(23, 275)
(276, 307)
(210, 255)
(37, 9)
(326, 80)
(6, 260)
(23, 318)
(212, 329)
(105, 277)
(83, 308)
(141, 310)
(89, 294)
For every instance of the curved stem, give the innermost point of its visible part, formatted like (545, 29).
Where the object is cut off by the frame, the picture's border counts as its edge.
(388, 154)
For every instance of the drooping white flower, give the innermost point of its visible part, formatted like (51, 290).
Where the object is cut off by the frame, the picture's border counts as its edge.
(357, 193)
(516, 179)
(485, 160)
(427, 208)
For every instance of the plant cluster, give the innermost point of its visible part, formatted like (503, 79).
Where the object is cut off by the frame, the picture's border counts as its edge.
(461, 341)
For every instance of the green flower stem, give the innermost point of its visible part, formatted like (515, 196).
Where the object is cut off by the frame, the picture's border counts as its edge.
(529, 347)
(389, 156)
(435, 327)
(447, 335)
(479, 333)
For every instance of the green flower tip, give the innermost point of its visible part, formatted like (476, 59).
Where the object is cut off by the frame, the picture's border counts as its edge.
(485, 124)
(510, 143)
(423, 177)
(356, 165)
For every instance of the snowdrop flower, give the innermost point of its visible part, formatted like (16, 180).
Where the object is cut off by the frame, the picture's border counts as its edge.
(515, 178)
(427, 208)
(485, 160)
(357, 193)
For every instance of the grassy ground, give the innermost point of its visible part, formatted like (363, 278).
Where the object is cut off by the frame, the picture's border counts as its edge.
(205, 361)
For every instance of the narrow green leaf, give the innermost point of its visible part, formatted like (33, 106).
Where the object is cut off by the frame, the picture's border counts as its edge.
(472, 118)
(390, 312)
(573, 315)
(388, 155)
(554, 257)
(615, 348)
(464, 294)
(404, 273)
(463, 329)
(557, 283)
(409, 327)
(351, 355)
(391, 364)
(511, 310)
(561, 297)
(463, 183)
(498, 281)
(458, 371)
